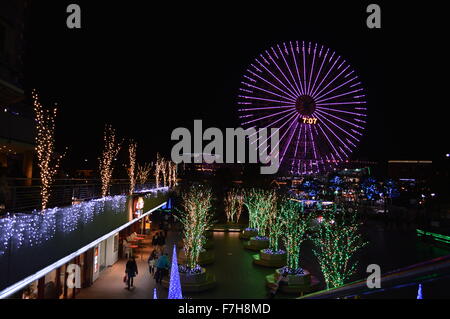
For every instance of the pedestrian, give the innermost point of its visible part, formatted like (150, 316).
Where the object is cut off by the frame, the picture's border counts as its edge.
(151, 264)
(162, 241)
(131, 271)
(161, 265)
(154, 254)
(155, 240)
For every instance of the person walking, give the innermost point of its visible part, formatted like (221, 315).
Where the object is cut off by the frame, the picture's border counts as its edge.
(155, 240)
(152, 262)
(161, 265)
(131, 271)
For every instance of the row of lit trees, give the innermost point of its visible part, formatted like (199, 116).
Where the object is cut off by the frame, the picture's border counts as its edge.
(165, 172)
(234, 203)
(336, 238)
(49, 160)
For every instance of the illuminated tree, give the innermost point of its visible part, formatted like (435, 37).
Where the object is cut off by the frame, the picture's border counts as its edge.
(337, 240)
(110, 151)
(370, 188)
(173, 170)
(143, 173)
(265, 205)
(234, 202)
(132, 168)
(158, 168)
(196, 219)
(275, 221)
(259, 203)
(250, 201)
(294, 225)
(174, 284)
(165, 170)
(48, 161)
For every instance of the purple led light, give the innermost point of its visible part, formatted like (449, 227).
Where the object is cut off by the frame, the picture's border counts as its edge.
(312, 96)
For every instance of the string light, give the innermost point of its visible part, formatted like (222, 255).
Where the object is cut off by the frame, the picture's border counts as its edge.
(174, 285)
(165, 172)
(173, 171)
(196, 219)
(294, 225)
(48, 161)
(259, 203)
(234, 202)
(164, 169)
(132, 169)
(110, 151)
(336, 241)
(158, 168)
(143, 173)
(30, 230)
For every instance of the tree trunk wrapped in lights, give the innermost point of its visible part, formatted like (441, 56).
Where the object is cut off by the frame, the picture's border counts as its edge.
(294, 225)
(259, 203)
(337, 240)
(265, 205)
(173, 168)
(250, 201)
(165, 170)
(48, 161)
(132, 168)
(158, 168)
(196, 219)
(275, 220)
(110, 151)
(234, 201)
(143, 173)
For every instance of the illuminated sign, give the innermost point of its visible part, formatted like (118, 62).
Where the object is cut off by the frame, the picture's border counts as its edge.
(309, 120)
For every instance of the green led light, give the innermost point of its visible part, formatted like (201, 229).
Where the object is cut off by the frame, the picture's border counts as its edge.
(437, 237)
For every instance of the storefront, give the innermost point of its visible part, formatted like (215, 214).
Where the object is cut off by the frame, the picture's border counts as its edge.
(66, 281)
(106, 254)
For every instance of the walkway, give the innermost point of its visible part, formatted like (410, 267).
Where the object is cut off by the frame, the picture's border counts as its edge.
(110, 284)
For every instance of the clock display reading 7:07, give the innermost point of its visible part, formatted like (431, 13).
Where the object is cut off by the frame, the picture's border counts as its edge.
(309, 120)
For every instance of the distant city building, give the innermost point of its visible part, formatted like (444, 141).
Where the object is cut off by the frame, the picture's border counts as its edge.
(410, 169)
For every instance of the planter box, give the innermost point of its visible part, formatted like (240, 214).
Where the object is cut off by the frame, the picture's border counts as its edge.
(204, 258)
(193, 278)
(295, 280)
(294, 284)
(257, 244)
(247, 234)
(270, 260)
(194, 282)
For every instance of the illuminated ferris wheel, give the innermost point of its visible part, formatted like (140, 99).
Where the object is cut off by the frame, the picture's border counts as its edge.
(315, 99)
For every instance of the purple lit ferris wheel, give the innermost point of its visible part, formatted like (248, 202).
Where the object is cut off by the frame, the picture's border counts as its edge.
(315, 99)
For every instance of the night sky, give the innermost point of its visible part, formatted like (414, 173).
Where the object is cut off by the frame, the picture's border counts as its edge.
(148, 69)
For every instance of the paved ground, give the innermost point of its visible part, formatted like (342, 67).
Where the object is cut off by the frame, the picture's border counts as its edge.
(110, 284)
(237, 277)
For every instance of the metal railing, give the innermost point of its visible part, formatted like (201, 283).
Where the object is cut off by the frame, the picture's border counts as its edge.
(24, 195)
(420, 273)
